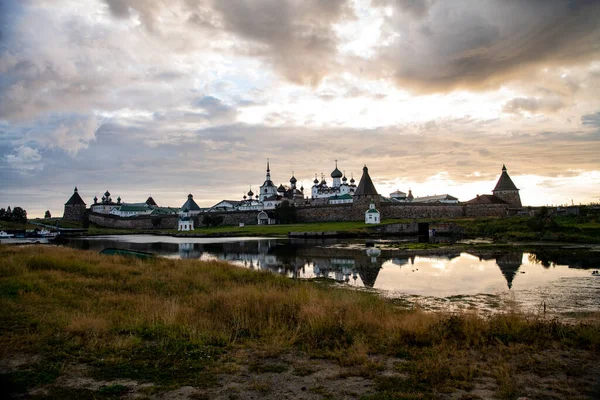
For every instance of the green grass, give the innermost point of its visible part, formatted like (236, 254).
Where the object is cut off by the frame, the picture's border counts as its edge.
(10, 225)
(179, 322)
(62, 223)
(581, 229)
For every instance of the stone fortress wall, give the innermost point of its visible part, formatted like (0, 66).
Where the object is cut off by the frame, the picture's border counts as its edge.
(323, 213)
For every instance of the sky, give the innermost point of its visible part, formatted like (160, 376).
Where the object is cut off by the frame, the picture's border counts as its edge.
(163, 98)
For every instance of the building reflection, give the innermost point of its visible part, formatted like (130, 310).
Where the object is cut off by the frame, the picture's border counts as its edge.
(347, 263)
(508, 262)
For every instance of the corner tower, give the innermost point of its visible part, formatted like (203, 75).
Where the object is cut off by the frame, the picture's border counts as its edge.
(75, 207)
(506, 190)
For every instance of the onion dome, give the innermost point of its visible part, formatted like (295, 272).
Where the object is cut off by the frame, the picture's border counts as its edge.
(344, 179)
(250, 193)
(281, 188)
(107, 194)
(336, 172)
(352, 180)
(316, 181)
(95, 199)
(293, 180)
(244, 196)
(119, 199)
(302, 188)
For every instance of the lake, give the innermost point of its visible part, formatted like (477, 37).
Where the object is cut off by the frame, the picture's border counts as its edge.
(484, 280)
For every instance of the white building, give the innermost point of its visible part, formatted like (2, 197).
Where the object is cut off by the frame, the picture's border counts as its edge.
(339, 186)
(106, 205)
(343, 199)
(131, 210)
(186, 223)
(372, 215)
(268, 188)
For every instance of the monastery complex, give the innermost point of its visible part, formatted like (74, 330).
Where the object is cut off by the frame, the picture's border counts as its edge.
(343, 200)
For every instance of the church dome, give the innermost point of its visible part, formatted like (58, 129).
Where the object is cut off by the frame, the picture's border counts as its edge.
(281, 188)
(336, 173)
(107, 194)
(293, 179)
(250, 193)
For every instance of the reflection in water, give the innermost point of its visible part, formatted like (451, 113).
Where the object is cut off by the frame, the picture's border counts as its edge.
(472, 273)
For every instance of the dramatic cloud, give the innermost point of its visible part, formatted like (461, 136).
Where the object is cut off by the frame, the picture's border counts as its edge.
(482, 44)
(166, 98)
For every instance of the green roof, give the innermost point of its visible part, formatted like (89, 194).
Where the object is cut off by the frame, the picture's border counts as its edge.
(131, 208)
(372, 211)
(343, 197)
(165, 210)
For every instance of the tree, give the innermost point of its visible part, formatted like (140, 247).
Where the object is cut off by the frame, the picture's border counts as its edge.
(285, 213)
(2, 214)
(19, 215)
(210, 220)
(47, 214)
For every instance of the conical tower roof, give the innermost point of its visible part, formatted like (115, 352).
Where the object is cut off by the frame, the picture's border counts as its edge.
(368, 275)
(75, 199)
(509, 265)
(504, 183)
(190, 204)
(365, 186)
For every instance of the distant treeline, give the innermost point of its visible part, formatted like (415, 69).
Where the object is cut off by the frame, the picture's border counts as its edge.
(17, 214)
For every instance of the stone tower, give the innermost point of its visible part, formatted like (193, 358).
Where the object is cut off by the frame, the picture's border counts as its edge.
(75, 207)
(506, 190)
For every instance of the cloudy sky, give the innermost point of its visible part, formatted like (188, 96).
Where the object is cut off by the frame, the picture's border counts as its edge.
(170, 97)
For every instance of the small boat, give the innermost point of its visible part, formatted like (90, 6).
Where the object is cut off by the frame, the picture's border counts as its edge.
(111, 251)
(4, 235)
(47, 234)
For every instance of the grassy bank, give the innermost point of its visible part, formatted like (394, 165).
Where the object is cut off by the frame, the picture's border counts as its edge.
(583, 229)
(127, 326)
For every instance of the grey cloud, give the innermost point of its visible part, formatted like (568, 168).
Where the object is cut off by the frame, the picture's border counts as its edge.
(212, 105)
(24, 158)
(297, 37)
(532, 104)
(484, 43)
(591, 120)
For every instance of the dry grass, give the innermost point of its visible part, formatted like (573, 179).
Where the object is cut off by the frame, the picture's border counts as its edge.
(169, 321)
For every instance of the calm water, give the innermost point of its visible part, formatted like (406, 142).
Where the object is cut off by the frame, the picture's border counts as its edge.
(485, 280)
